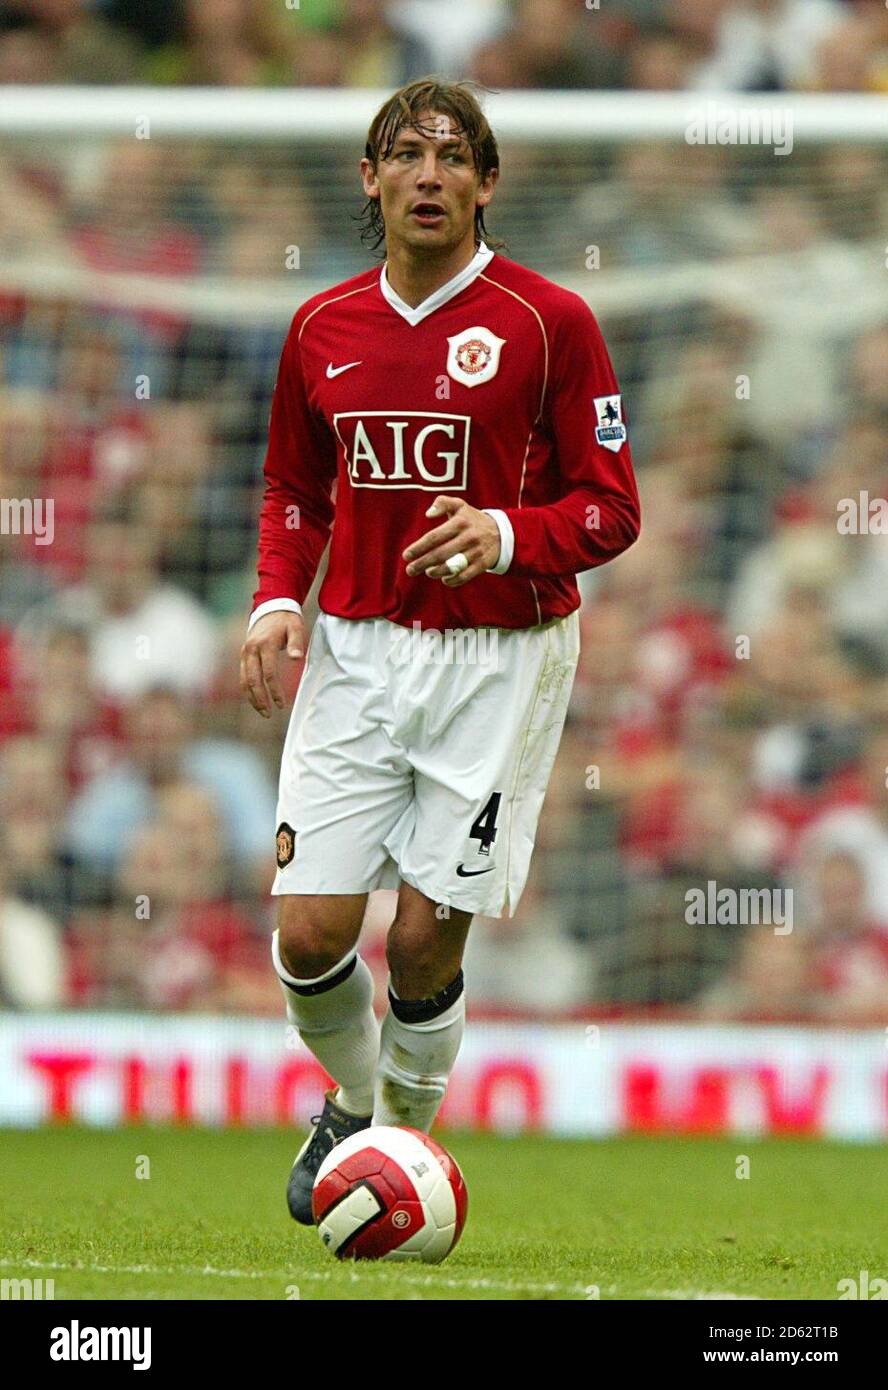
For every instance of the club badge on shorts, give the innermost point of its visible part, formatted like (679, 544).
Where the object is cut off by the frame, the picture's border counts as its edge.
(474, 356)
(285, 840)
(611, 432)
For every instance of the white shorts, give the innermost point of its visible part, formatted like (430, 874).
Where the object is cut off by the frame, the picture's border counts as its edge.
(408, 758)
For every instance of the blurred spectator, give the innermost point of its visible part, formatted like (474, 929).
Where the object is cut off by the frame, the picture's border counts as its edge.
(854, 190)
(189, 503)
(76, 43)
(811, 563)
(851, 963)
(226, 43)
(832, 966)
(57, 703)
(151, 22)
(25, 58)
(318, 60)
(452, 32)
(32, 800)
(201, 949)
(661, 59)
(32, 966)
(162, 748)
(869, 370)
(24, 580)
(93, 438)
(143, 632)
(643, 215)
(770, 983)
(769, 45)
(799, 330)
(28, 213)
(547, 44)
(854, 57)
(648, 45)
(179, 936)
(364, 49)
(263, 214)
(698, 21)
(503, 959)
(856, 827)
(722, 478)
(127, 223)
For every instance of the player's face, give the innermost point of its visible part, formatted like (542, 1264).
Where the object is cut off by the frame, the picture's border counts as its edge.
(428, 187)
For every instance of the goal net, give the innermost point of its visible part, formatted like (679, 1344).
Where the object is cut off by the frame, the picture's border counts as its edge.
(726, 725)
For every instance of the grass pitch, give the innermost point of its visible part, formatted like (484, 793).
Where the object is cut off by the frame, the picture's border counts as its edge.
(548, 1219)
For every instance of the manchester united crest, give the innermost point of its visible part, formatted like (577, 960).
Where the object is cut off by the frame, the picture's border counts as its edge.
(474, 356)
(286, 844)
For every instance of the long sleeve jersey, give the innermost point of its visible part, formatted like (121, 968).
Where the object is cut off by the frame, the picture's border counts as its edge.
(497, 389)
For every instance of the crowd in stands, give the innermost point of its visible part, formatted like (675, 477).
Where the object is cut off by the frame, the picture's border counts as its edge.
(729, 722)
(743, 45)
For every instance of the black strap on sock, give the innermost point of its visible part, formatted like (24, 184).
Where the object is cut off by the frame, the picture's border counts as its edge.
(421, 1010)
(321, 986)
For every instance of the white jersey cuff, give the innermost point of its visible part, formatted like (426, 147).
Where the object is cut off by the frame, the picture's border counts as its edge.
(507, 540)
(273, 605)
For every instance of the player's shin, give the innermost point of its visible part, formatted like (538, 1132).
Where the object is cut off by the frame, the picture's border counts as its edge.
(420, 1042)
(334, 1017)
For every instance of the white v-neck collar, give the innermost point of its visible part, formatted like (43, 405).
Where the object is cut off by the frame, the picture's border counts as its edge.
(481, 259)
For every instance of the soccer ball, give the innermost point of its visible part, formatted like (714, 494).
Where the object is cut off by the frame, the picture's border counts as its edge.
(389, 1193)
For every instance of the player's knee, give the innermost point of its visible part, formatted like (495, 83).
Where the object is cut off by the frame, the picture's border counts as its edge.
(418, 964)
(309, 944)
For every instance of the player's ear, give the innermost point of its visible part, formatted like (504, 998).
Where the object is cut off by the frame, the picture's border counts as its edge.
(485, 191)
(369, 179)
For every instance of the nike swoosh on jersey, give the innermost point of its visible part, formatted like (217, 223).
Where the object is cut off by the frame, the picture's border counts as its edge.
(337, 371)
(472, 873)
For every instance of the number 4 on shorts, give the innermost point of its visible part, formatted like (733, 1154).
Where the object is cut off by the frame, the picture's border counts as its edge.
(484, 826)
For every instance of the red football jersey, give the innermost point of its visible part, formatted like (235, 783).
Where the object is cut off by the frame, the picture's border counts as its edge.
(497, 389)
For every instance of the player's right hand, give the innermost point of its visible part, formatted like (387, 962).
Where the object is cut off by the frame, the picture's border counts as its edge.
(272, 634)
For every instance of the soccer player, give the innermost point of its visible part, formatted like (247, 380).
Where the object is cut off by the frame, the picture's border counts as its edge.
(453, 425)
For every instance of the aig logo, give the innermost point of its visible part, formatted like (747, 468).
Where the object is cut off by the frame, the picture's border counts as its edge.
(413, 448)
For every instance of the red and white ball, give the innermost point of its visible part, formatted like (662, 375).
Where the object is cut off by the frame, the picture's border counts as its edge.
(389, 1193)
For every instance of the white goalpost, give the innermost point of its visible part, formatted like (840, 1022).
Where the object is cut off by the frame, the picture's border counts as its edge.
(309, 113)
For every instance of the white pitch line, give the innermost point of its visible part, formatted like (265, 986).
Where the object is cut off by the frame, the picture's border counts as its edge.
(369, 1276)
(297, 1276)
(696, 1295)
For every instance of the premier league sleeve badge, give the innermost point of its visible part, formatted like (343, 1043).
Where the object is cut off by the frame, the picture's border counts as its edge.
(611, 431)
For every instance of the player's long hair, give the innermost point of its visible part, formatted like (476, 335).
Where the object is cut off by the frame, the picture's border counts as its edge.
(404, 108)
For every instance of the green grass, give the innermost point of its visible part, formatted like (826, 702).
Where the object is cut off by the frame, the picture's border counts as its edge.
(638, 1218)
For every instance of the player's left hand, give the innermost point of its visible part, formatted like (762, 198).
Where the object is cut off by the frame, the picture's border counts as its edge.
(466, 530)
